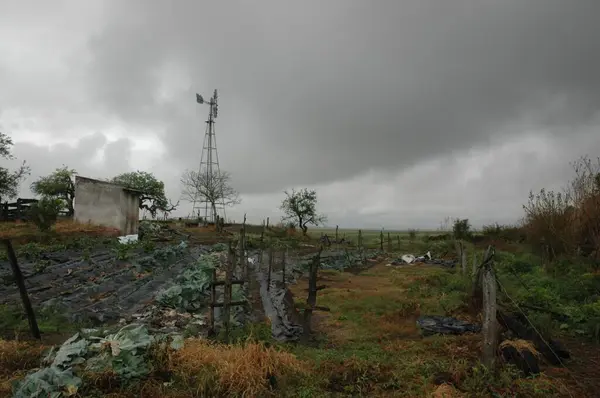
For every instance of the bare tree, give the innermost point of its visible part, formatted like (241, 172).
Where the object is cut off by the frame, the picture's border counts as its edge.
(214, 188)
(301, 207)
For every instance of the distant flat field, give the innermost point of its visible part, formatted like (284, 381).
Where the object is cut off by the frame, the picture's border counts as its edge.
(353, 232)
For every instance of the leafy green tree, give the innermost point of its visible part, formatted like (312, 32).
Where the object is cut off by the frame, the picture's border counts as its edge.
(301, 207)
(10, 180)
(152, 190)
(58, 185)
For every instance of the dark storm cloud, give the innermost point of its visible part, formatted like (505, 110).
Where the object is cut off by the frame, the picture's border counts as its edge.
(319, 91)
(80, 156)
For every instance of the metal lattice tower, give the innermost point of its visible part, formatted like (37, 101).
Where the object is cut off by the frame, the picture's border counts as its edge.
(209, 166)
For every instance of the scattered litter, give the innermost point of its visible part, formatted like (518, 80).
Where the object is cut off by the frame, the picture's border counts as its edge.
(425, 259)
(435, 324)
(408, 258)
(128, 239)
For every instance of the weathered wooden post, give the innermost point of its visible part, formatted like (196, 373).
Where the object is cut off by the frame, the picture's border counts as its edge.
(243, 257)
(336, 233)
(462, 255)
(12, 258)
(213, 300)
(227, 290)
(398, 239)
(270, 268)
(490, 329)
(262, 234)
(18, 211)
(267, 222)
(381, 240)
(283, 256)
(360, 240)
(389, 243)
(311, 301)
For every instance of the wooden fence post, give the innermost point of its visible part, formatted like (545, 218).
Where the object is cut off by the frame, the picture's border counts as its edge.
(311, 301)
(12, 258)
(243, 257)
(389, 243)
(213, 301)
(18, 212)
(267, 222)
(489, 317)
(381, 240)
(227, 289)
(398, 239)
(283, 256)
(360, 239)
(336, 234)
(270, 268)
(462, 255)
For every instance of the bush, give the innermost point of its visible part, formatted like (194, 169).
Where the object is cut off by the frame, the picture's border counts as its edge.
(45, 212)
(508, 233)
(412, 234)
(567, 223)
(462, 229)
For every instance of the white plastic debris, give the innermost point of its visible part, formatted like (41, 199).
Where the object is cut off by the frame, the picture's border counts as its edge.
(408, 258)
(127, 239)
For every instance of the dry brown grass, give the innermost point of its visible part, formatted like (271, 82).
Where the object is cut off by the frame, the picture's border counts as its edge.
(234, 370)
(19, 229)
(16, 359)
(446, 391)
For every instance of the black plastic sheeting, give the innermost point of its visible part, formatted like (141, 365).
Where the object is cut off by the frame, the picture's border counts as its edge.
(100, 288)
(435, 324)
(278, 305)
(425, 260)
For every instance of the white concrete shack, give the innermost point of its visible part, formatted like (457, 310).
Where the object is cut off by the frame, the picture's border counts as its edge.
(107, 204)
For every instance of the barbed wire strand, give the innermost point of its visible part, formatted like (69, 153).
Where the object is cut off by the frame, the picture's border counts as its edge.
(540, 336)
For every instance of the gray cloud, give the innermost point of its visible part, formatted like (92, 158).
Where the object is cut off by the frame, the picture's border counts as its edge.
(312, 94)
(348, 86)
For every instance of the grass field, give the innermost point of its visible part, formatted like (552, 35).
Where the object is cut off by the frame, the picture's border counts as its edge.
(367, 345)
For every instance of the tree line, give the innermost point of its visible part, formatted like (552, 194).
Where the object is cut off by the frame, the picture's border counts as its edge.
(57, 191)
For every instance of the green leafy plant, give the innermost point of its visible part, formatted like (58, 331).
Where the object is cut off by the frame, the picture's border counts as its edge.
(45, 212)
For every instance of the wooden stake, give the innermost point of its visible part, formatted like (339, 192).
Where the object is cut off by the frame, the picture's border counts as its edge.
(462, 256)
(228, 292)
(270, 268)
(381, 240)
(12, 258)
(398, 239)
(490, 329)
(283, 255)
(311, 301)
(213, 300)
(389, 243)
(243, 258)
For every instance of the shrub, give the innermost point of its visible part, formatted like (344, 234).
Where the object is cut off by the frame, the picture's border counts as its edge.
(558, 223)
(45, 212)
(462, 229)
(412, 234)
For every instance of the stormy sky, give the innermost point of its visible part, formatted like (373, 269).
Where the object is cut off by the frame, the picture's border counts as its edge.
(398, 112)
